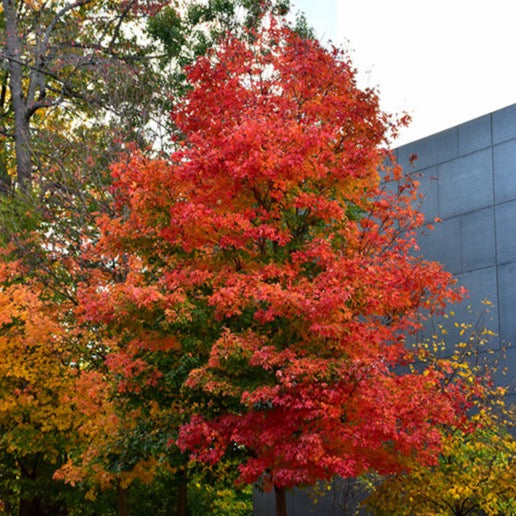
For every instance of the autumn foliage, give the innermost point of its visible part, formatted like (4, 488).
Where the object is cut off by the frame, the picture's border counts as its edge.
(274, 251)
(243, 300)
(35, 370)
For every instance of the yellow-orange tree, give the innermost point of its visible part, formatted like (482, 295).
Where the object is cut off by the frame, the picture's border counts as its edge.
(36, 375)
(475, 475)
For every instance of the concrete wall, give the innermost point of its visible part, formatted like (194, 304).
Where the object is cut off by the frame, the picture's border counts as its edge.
(467, 175)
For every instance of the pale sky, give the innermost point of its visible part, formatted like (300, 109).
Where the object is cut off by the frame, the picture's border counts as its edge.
(442, 61)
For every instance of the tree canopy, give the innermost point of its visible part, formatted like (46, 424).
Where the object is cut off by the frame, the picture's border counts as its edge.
(233, 305)
(272, 252)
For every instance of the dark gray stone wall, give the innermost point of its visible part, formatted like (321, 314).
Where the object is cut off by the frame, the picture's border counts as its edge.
(467, 175)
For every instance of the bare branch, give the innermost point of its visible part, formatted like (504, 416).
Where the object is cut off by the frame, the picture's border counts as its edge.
(36, 79)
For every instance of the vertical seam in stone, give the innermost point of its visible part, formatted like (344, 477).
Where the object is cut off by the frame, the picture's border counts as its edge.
(438, 180)
(497, 266)
(461, 251)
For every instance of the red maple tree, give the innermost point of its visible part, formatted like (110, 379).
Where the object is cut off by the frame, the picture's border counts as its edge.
(278, 241)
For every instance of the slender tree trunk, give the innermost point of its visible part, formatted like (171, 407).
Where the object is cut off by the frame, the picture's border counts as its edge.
(121, 500)
(182, 492)
(21, 119)
(31, 508)
(281, 501)
(5, 180)
(23, 153)
(30, 501)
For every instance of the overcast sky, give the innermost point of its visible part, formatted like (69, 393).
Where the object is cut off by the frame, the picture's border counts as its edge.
(442, 61)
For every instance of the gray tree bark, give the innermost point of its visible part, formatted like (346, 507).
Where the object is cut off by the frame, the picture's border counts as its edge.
(21, 115)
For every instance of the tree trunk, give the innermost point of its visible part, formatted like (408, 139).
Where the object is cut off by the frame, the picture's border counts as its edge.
(31, 508)
(30, 502)
(281, 500)
(21, 120)
(121, 500)
(182, 492)
(5, 180)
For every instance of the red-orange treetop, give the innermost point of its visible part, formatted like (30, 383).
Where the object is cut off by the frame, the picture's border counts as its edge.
(272, 225)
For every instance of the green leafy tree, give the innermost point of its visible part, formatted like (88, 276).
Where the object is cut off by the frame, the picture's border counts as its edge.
(64, 62)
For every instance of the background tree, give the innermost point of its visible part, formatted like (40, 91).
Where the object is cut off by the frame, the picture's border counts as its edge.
(70, 65)
(82, 80)
(59, 56)
(475, 475)
(37, 424)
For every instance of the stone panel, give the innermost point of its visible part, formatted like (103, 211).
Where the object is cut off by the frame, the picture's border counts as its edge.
(481, 285)
(263, 503)
(430, 151)
(429, 188)
(504, 124)
(302, 505)
(478, 239)
(507, 282)
(509, 378)
(474, 135)
(443, 244)
(299, 503)
(506, 232)
(504, 157)
(465, 184)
